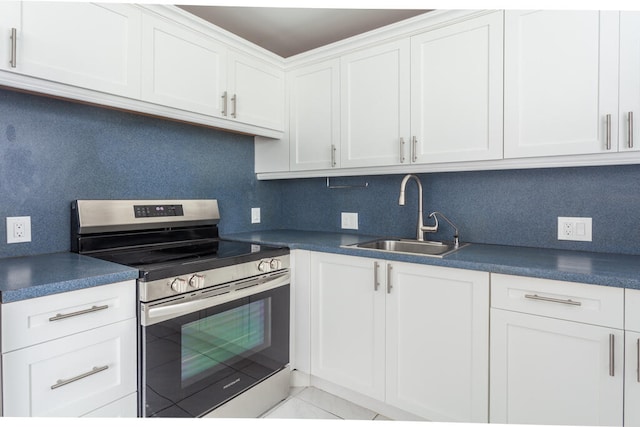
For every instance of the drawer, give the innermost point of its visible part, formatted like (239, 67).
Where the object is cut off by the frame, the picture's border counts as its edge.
(71, 376)
(37, 320)
(632, 310)
(127, 407)
(579, 302)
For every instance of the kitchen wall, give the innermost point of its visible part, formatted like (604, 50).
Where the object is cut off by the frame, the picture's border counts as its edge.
(517, 207)
(53, 151)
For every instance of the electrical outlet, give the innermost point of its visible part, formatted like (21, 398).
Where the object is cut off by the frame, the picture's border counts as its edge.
(577, 229)
(18, 229)
(349, 220)
(255, 215)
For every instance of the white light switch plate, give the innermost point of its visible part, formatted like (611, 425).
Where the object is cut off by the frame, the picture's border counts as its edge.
(255, 215)
(574, 228)
(350, 220)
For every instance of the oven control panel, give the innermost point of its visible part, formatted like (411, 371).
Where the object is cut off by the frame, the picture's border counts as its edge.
(150, 211)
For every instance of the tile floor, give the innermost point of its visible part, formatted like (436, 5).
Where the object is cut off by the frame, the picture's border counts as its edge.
(313, 403)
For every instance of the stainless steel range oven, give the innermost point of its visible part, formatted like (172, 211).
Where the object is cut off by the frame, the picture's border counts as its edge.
(214, 314)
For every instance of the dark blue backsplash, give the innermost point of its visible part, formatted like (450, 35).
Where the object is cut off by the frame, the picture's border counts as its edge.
(52, 152)
(512, 207)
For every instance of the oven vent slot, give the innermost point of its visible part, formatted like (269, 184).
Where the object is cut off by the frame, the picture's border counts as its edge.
(217, 288)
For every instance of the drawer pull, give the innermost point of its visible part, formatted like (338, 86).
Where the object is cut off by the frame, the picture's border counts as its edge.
(93, 371)
(60, 316)
(638, 361)
(548, 299)
(612, 343)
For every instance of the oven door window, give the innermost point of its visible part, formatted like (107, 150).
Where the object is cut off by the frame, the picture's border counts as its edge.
(195, 362)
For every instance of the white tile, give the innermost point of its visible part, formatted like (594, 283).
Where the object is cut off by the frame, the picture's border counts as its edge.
(335, 405)
(293, 391)
(299, 409)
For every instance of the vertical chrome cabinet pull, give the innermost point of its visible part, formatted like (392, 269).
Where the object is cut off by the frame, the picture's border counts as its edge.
(376, 279)
(638, 360)
(93, 371)
(608, 136)
(14, 48)
(630, 129)
(402, 158)
(389, 268)
(234, 102)
(333, 155)
(414, 149)
(224, 104)
(60, 316)
(612, 369)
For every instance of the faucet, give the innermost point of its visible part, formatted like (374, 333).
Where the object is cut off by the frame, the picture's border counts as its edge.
(456, 236)
(421, 229)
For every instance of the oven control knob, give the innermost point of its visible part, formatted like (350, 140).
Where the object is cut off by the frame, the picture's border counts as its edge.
(179, 285)
(275, 264)
(197, 281)
(264, 266)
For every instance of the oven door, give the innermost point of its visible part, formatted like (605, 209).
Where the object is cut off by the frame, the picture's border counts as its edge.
(194, 362)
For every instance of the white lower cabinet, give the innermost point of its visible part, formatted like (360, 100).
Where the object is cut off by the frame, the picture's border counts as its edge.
(413, 336)
(632, 357)
(554, 370)
(71, 354)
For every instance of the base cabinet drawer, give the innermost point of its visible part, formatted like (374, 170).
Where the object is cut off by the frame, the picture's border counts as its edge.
(127, 407)
(36, 320)
(71, 376)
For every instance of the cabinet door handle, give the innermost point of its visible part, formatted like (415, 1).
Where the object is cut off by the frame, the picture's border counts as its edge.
(93, 371)
(14, 48)
(60, 316)
(333, 155)
(234, 102)
(630, 129)
(402, 143)
(608, 120)
(376, 279)
(414, 149)
(224, 104)
(638, 360)
(549, 299)
(612, 371)
(389, 268)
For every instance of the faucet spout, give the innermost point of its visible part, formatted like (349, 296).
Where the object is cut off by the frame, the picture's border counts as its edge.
(421, 228)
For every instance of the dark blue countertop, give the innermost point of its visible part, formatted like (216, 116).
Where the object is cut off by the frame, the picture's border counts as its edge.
(40, 275)
(572, 266)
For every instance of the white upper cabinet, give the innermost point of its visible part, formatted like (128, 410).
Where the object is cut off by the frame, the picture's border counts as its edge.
(375, 105)
(93, 46)
(182, 68)
(456, 92)
(255, 92)
(9, 20)
(629, 115)
(314, 97)
(561, 83)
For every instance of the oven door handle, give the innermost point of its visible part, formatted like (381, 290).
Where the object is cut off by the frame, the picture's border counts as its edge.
(152, 315)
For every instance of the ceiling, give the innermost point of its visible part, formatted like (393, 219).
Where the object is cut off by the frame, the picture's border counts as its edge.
(290, 31)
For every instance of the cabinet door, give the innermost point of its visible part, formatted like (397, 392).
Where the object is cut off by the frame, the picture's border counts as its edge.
(550, 371)
(632, 379)
(456, 92)
(315, 116)
(348, 322)
(182, 68)
(256, 91)
(9, 19)
(71, 376)
(94, 46)
(629, 81)
(375, 106)
(438, 342)
(561, 82)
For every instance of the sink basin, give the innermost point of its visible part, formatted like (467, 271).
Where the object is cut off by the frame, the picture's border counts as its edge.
(413, 247)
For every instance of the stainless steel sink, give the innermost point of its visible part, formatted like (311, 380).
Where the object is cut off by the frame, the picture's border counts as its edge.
(413, 247)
